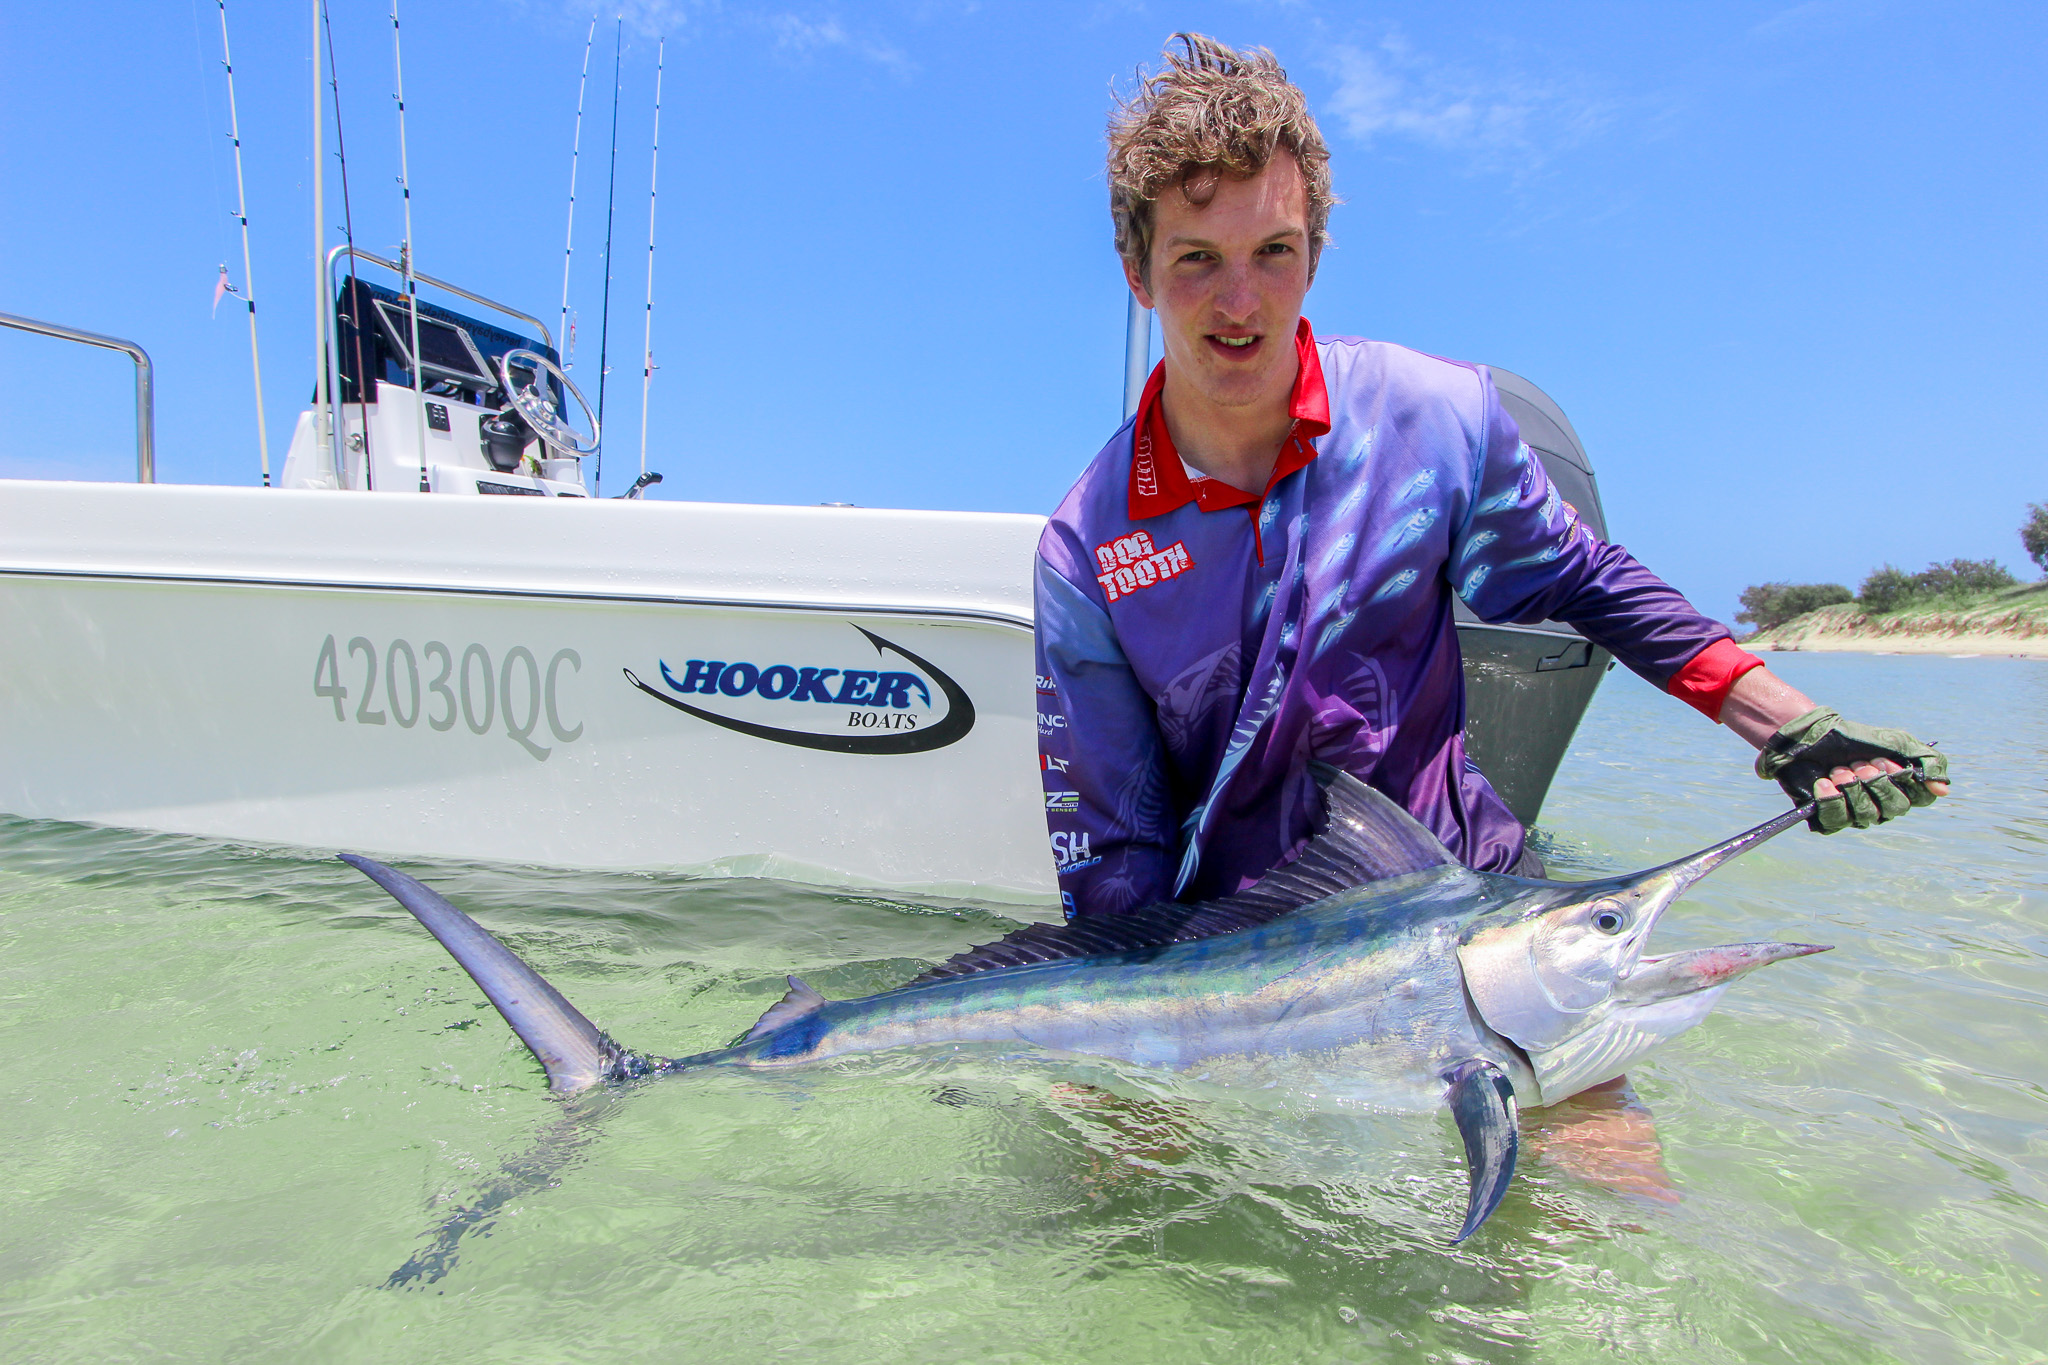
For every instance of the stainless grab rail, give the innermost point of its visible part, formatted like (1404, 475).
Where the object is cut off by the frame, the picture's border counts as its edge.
(145, 389)
(395, 268)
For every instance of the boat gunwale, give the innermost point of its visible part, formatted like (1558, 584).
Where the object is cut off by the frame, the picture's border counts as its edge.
(990, 616)
(985, 615)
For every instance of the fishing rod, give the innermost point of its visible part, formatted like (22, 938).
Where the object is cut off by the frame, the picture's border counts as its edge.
(348, 229)
(647, 339)
(412, 286)
(227, 60)
(323, 423)
(575, 150)
(611, 200)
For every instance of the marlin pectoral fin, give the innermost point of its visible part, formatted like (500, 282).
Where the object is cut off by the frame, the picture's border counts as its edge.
(574, 1053)
(1482, 1100)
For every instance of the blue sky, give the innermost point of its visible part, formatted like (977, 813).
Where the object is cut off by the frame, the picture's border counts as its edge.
(1782, 264)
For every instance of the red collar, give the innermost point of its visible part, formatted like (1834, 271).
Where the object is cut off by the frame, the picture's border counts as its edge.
(1159, 482)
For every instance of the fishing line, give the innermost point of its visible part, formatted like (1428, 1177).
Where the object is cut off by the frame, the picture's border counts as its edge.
(611, 199)
(348, 228)
(205, 101)
(242, 216)
(575, 151)
(412, 287)
(647, 339)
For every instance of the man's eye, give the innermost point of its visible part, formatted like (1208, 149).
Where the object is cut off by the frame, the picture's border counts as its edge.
(1276, 249)
(1196, 257)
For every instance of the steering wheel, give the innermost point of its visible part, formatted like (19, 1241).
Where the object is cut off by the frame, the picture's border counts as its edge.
(537, 405)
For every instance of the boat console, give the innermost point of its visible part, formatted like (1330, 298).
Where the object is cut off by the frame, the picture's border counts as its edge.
(439, 402)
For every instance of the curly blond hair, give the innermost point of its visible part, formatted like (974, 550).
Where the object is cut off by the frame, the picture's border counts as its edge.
(1212, 111)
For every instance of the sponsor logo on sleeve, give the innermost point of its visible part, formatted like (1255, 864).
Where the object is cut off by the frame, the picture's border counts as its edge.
(1131, 562)
(1574, 523)
(1070, 851)
(1063, 801)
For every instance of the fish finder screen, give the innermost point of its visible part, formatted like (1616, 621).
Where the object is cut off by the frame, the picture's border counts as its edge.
(444, 349)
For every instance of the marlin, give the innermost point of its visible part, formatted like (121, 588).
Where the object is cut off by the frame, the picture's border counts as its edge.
(1373, 969)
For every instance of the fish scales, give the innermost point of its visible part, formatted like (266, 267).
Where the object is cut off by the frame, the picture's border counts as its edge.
(1313, 982)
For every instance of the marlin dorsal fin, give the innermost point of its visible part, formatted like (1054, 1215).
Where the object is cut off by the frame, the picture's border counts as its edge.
(800, 1001)
(1365, 838)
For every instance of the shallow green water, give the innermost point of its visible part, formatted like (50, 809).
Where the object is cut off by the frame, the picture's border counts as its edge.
(241, 1086)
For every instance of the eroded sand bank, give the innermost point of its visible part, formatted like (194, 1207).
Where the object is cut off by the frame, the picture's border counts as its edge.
(2014, 627)
(1857, 643)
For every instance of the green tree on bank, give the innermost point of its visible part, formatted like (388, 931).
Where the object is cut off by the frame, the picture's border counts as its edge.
(1889, 589)
(1773, 604)
(2034, 534)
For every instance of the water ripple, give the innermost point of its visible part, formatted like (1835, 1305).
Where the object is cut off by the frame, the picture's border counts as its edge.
(243, 1086)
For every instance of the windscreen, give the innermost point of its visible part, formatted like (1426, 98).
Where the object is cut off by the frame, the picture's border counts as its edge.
(441, 347)
(374, 332)
(444, 348)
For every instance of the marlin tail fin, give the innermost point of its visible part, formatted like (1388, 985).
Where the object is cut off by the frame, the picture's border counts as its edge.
(575, 1054)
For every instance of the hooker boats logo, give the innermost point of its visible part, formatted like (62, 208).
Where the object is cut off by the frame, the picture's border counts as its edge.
(883, 706)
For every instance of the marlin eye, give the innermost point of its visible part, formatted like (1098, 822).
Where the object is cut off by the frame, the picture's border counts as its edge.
(1608, 919)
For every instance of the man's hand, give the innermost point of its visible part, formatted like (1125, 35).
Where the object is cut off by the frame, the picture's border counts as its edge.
(1857, 775)
(1604, 1135)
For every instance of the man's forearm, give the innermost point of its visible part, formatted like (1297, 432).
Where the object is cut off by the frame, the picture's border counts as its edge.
(1760, 702)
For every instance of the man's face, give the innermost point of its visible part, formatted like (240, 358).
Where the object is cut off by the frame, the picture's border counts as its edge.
(1228, 278)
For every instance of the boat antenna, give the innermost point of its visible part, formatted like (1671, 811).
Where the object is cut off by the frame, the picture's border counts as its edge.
(322, 423)
(348, 229)
(653, 178)
(575, 150)
(412, 285)
(611, 201)
(242, 215)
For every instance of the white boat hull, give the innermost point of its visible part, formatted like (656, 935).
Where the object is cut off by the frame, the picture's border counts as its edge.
(456, 677)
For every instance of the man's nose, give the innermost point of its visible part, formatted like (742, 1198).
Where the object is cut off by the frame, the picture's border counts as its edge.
(1237, 294)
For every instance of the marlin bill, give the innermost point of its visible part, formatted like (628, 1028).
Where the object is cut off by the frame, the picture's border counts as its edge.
(1372, 968)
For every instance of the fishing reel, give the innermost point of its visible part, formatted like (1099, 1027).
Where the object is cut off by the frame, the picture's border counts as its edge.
(531, 408)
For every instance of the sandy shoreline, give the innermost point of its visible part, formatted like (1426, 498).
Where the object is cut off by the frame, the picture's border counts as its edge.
(2012, 625)
(1960, 646)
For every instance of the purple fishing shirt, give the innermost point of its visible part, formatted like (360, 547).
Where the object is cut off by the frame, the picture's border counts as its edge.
(1199, 646)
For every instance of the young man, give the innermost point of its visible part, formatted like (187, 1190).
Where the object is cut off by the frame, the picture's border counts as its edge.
(1256, 572)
